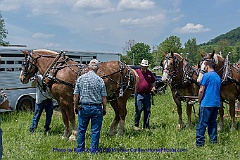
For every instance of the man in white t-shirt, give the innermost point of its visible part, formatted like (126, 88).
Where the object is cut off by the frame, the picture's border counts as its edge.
(43, 101)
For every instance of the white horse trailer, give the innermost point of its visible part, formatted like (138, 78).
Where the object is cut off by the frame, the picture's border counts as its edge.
(22, 96)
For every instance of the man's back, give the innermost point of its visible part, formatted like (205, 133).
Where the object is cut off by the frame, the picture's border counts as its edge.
(212, 83)
(90, 88)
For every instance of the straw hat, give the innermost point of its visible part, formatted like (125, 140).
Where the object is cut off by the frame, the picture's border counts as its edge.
(144, 63)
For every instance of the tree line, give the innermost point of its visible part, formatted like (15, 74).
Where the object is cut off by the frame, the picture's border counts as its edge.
(135, 52)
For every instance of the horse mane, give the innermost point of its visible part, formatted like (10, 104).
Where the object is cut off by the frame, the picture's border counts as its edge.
(216, 56)
(45, 50)
(178, 56)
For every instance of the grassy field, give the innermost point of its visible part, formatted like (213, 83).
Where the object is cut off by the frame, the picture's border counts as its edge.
(163, 141)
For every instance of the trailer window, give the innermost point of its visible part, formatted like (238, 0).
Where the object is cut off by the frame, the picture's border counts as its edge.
(10, 62)
(9, 69)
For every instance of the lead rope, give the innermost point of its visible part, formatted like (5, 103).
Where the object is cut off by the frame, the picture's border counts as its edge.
(121, 80)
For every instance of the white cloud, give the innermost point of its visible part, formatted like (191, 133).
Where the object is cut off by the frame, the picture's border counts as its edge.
(92, 4)
(135, 4)
(103, 11)
(37, 7)
(6, 7)
(42, 35)
(191, 28)
(102, 29)
(145, 21)
(51, 45)
(44, 7)
(10, 5)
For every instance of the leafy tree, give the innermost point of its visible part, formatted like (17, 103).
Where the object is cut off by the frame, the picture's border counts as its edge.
(221, 45)
(191, 51)
(171, 43)
(237, 51)
(155, 54)
(3, 32)
(140, 51)
(206, 48)
(126, 59)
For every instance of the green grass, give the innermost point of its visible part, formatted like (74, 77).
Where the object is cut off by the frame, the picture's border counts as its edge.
(19, 144)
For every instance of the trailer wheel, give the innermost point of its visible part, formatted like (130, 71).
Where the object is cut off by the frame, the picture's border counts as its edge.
(26, 103)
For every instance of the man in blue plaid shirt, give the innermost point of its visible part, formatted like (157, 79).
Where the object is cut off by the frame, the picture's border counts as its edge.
(90, 93)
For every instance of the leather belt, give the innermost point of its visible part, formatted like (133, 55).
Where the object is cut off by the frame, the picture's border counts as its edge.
(144, 93)
(91, 104)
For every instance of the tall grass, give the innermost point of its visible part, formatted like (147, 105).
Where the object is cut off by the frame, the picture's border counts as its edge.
(163, 141)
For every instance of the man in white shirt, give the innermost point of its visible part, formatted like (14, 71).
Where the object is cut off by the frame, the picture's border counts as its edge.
(43, 101)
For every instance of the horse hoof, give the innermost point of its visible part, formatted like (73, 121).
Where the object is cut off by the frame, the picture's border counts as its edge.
(63, 137)
(221, 129)
(120, 134)
(179, 126)
(189, 127)
(112, 133)
(233, 129)
(72, 138)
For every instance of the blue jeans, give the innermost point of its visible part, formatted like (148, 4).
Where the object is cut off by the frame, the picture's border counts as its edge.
(207, 118)
(87, 113)
(48, 106)
(142, 103)
(1, 146)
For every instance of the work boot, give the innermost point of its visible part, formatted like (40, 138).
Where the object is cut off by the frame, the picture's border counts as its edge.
(136, 128)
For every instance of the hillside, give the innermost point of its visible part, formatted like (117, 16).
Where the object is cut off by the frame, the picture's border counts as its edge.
(232, 37)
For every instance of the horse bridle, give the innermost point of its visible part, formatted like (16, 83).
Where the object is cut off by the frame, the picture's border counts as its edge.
(185, 68)
(204, 59)
(173, 73)
(28, 64)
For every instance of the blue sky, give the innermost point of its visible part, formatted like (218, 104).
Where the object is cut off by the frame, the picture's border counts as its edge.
(106, 25)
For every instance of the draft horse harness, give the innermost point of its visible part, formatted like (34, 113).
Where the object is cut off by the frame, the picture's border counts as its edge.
(60, 62)
(227, 76)
(185, 80)
(187, 70)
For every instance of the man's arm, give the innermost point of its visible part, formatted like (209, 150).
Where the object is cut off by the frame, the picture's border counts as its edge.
(200, 93)
(75, 100)
(104, 100)
(153, 86)
(34, 83)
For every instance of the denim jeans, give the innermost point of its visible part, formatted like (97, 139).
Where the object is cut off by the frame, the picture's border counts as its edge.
(48, 106)
(87, 113)
(142, 103)
(1, 146)
(207, 118)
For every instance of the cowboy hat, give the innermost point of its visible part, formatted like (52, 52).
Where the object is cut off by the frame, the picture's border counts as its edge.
(144, 63)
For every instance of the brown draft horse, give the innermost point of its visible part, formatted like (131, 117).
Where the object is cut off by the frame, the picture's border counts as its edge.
(230, 87)
(182, 81)
(60, 73)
